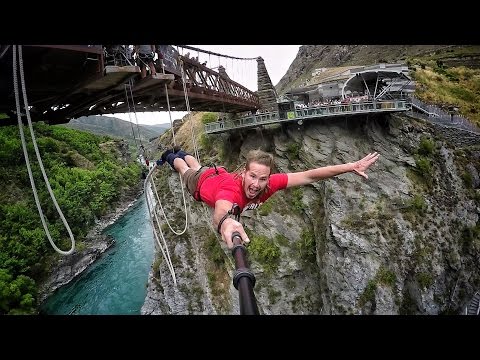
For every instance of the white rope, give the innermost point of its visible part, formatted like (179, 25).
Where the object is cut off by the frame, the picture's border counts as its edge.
(154, 218)
(206, 209)
(129, 116)
(163, 211)
(164, 247)
(187, 104)
(136, 119)
(159, 202)
(24, 146)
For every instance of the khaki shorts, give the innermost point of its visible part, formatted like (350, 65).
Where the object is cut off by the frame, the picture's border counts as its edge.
(191, 177)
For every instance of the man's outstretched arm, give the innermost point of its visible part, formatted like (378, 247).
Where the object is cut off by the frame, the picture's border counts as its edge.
(310, 176)
(229, 225)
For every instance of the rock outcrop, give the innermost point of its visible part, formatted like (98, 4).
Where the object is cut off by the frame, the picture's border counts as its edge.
(405, 241)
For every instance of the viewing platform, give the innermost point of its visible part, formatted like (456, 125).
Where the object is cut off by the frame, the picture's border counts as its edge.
(314, 112)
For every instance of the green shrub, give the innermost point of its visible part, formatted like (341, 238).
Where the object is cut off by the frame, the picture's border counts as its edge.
(214, 250)
(266, 208)
(307, 246)
(209, 117)
(206, 142)
(368, 294)
(424, 280)
(265, 252)
(467, 179)
(386, 277)
(424, 167)
(463, 93)
(281, 240)
(418, 204)
(427, 146)
(293, 150)
(273, 295)
(297, 199)
(469, 236)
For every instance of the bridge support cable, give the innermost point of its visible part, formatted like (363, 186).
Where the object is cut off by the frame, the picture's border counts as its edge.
(25, 152)
(129, 116)
(136, 120)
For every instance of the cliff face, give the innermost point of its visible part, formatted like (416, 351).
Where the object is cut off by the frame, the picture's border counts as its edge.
(405, 241)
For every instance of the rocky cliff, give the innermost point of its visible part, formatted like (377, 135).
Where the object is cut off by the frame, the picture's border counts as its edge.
(405, 241)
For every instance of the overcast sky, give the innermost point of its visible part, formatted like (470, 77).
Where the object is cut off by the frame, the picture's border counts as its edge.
(277, 60)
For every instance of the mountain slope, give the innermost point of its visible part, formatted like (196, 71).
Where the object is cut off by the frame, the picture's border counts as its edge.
(310, 57)
(105, 125)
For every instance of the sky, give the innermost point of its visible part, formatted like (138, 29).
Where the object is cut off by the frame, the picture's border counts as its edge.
(277, 58)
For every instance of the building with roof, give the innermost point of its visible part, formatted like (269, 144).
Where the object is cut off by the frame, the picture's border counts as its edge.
(377, 82)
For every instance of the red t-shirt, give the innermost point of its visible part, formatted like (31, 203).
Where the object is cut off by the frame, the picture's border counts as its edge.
(226, 186)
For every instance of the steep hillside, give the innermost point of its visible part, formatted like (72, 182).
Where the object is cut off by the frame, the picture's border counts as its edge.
(106, 125)
(89, 175)
(311, 57)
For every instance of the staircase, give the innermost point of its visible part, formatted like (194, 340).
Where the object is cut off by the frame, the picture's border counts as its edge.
(473, 308)
(436, 115)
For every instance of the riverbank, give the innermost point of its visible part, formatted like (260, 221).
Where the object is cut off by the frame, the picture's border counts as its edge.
(95, 244)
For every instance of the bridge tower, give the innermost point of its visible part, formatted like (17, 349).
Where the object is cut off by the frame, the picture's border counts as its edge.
(266, 92)
(223, 72)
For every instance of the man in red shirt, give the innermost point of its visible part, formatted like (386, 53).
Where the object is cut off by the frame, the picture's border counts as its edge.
(220, 189)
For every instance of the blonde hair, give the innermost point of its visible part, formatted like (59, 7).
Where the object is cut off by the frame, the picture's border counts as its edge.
(260, 157)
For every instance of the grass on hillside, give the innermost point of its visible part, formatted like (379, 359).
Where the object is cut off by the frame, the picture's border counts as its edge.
(455, 86)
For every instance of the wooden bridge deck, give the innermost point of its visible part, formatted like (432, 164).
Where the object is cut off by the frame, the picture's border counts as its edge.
(68, 81)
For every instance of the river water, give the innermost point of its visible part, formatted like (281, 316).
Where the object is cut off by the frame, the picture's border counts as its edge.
(116, 284)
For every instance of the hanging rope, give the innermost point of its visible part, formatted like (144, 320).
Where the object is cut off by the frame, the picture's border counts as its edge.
(27, 161)
(152, 210)
(193, 136)
(144, 151)
(129, 116)
(187, 104)
(164, 247)
(181, 181)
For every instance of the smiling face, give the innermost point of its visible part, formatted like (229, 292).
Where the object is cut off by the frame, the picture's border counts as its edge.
(255, 179)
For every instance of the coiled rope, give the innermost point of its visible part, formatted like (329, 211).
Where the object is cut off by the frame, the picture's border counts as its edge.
(24, 146)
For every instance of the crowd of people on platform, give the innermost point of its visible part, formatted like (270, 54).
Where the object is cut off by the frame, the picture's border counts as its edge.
(144, 56)
(147, 57)
(333, 101)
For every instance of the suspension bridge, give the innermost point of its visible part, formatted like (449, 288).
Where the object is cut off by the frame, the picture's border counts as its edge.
(68, 81)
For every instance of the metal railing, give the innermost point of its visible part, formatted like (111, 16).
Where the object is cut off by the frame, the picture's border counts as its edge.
(473, 308)
(436, 115)
(312, 112)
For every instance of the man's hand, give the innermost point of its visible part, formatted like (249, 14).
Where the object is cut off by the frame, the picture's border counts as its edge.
(229, 226)
(360, 166)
